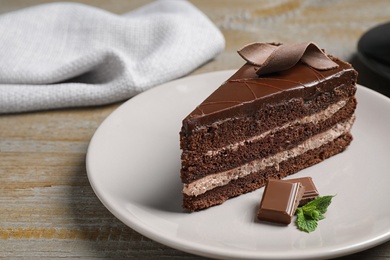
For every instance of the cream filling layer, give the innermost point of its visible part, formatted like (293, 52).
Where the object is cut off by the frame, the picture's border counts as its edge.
(220, 179)
(315, 118)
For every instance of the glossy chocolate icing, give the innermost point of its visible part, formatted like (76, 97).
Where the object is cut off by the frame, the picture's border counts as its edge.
(245, 92)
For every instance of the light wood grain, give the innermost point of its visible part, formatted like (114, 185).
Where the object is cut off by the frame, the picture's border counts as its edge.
(48, 208)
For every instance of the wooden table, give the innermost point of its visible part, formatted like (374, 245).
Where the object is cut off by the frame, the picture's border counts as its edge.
(48, 208)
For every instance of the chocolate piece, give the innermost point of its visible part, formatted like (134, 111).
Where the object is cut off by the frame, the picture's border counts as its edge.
(311, 191)
(271, 57)
(279, 201)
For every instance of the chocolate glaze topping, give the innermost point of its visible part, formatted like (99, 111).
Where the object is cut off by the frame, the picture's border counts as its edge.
(245, 91)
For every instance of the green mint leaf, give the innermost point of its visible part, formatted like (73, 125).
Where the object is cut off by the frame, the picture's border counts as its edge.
(321, 216)
(309, 214)
(320, 203)
(309, 206)
(304, 224)
(313, 214)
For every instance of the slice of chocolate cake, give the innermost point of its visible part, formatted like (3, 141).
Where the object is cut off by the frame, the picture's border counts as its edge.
(289, 107)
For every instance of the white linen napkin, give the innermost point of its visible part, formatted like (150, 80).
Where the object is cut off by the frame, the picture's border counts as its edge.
(68, 55)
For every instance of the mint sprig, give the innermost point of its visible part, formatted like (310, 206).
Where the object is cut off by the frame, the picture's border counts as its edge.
(309, 214)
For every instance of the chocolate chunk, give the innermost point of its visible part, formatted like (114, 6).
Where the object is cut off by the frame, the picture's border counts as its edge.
(311, 191)
(279, 201)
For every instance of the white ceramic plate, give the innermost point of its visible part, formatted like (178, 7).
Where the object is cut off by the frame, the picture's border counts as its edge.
(133, 164)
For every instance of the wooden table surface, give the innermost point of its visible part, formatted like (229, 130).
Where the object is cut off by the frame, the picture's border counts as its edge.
(48, 208)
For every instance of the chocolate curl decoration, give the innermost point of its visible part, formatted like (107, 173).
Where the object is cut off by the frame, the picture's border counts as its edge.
(274, 57)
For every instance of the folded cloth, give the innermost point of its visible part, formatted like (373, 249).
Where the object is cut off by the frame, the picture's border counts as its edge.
(67, 54)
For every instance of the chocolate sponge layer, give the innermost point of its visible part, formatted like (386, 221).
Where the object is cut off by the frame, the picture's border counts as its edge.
(257, 180)
(196, 165)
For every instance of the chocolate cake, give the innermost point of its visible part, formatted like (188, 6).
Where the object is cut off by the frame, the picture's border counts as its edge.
(289, 107)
